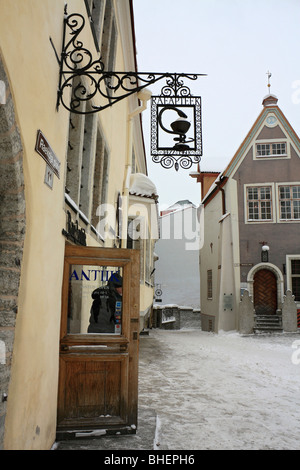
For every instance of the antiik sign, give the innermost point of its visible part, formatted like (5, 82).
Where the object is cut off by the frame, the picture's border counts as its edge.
(101, 275)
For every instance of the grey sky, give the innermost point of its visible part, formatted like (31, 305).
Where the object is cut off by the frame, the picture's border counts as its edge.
(235, 42)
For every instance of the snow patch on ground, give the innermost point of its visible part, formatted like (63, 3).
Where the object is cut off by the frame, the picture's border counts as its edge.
(223, 391)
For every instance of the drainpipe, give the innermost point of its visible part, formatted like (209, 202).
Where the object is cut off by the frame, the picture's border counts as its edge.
(144, 96)
(223, 195)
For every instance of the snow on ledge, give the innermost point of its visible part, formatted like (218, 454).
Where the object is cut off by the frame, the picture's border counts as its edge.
(141, 185)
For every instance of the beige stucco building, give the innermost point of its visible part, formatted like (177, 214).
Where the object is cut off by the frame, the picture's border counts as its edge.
(58, 170)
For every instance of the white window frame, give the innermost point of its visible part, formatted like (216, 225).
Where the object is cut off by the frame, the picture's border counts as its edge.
(291, 200)
(87, 141)
(289, 259)
(273, 204)
(271, 155)
(278, 202)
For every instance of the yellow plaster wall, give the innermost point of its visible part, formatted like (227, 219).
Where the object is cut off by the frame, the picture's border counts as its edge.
(32, 68)
(33, 73)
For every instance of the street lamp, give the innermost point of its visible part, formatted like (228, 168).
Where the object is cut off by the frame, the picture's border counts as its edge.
(264, 252)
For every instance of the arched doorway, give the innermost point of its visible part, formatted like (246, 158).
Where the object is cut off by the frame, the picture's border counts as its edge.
(265, 292)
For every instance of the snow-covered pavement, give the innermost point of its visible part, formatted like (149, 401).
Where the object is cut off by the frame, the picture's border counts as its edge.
(221, 391)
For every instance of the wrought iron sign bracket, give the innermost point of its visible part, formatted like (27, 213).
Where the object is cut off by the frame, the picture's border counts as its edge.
(85, 87)
(88, 79)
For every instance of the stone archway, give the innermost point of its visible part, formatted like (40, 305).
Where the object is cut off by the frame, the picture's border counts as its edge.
(266, 276)
(12, 233)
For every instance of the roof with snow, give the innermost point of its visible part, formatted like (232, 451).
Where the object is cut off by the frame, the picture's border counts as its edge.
(141, 185)
(181, 204)
(178, 206)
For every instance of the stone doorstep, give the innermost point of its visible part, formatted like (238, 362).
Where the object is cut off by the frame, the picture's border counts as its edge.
(268, 323)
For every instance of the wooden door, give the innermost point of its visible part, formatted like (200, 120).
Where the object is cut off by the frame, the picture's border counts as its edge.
(98, 372)
(265, 292)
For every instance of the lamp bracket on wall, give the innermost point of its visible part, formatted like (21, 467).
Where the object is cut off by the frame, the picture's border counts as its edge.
(93, 88)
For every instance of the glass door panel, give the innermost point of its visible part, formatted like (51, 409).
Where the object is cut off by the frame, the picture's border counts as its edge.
(95, 299)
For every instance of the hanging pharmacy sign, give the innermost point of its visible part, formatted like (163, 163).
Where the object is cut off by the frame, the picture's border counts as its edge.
(176, 135)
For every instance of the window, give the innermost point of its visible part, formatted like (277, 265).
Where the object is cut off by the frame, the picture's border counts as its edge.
(275, 149)
(289, 199)
(279, 149)
(108, 44)
(295, 274)
(259, 203)
(262, 149)
(104, 29)
(87, 168)
(209, 283)
(95, 10)
(136, 242)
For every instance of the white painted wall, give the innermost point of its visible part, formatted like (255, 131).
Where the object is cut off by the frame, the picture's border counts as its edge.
(177, 269)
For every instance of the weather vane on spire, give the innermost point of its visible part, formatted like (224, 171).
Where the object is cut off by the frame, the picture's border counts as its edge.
(269, 76)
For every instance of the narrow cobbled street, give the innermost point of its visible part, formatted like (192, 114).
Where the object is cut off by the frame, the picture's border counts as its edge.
(201, 391)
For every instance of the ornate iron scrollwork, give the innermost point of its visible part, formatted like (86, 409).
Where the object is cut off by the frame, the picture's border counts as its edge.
(91, 83)
(94, 89)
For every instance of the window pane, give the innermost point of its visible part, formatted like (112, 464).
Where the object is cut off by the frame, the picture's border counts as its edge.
(290, 202)
(266, 210)
(296, 192)
(295, 266)
(285, 212)
(252, 193)
(296, 288)
(259, 203)
(95, 299)
(278, 149)
(265, 193)
(296, 209)
(285, 192)
(253, 210)
(258, 149)
(263, 149)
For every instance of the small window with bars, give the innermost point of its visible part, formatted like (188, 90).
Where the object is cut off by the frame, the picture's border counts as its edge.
(209, 284)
